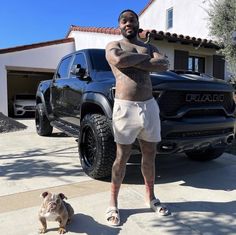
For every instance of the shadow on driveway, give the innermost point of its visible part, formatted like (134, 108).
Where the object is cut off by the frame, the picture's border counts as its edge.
(28, 164)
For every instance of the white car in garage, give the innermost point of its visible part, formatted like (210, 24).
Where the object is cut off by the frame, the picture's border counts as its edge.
(24, 103)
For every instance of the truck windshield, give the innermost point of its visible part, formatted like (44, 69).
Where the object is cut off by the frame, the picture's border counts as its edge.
(98, 59)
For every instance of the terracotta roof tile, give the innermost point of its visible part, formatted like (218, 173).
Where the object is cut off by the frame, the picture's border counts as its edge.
(160, 35)
(156, 35)
(105, 30)
(36, 45)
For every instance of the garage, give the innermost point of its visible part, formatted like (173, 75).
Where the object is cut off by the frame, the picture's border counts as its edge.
(23, 84)
(23, 67)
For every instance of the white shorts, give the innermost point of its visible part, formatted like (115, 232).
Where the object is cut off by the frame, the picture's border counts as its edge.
(132, 119)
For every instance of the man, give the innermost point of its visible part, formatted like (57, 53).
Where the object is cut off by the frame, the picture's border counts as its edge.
(135, 111)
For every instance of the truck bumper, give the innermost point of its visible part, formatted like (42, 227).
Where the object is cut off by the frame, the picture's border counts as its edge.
(195, 134)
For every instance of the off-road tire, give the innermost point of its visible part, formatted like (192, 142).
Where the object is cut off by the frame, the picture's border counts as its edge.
(96, 146)
(42, 123)
(206, 154)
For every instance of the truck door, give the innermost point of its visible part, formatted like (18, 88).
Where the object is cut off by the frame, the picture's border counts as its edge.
(58, 86)
(74, 90)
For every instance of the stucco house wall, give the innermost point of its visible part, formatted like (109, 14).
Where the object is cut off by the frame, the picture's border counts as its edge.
(43, 58)
(100, 40)
(190, 17)
(92, 40)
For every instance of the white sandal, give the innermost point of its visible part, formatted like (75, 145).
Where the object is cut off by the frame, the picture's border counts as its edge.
(159, 208)
(113, 216)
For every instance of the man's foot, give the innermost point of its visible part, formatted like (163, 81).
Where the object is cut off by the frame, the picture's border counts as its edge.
(113, 216)
(159, 208)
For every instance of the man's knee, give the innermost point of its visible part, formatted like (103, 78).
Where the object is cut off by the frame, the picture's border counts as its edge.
(123, 151)
(149, 151)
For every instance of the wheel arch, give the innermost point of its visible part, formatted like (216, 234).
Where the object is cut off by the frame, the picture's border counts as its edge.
(44, 98)
(95, 103)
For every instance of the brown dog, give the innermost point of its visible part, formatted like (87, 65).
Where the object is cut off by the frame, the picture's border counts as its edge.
(54, 208)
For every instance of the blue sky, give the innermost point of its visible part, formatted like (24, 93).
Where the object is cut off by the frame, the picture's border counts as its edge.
(25, 22)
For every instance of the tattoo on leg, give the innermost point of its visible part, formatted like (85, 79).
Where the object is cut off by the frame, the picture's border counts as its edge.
(115, 190)
(149, 187)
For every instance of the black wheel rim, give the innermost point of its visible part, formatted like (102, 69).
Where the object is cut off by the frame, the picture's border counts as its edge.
(89, 146)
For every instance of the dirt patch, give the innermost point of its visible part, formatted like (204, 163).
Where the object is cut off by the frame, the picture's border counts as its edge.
(8, 124)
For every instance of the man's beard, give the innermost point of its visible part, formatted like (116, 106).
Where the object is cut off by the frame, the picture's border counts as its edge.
(130, 36)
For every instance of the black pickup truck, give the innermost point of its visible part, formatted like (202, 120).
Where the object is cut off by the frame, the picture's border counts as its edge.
(197, 111)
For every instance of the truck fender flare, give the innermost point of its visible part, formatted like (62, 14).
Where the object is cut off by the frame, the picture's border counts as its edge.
(99, 100)
(40, 95)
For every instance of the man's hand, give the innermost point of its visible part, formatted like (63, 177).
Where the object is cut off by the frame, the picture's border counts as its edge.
(116, 56)
(159, 63)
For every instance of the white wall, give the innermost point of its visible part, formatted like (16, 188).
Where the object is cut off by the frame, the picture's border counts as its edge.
(189, 17)
(100, 40)
(39, 58)
(168, 48)
(92, 40)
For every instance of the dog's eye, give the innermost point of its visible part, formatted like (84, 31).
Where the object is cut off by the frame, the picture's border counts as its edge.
(58, 200)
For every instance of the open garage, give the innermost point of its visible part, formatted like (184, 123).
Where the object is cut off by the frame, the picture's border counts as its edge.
(23, 82)
(23, 67)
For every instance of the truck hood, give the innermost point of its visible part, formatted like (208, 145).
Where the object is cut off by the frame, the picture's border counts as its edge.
(169, 76)
(172, 81)
(167, 81)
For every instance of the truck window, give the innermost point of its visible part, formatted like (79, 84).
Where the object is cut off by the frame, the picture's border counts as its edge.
(80, 59)
(99, 62)
(63, 68)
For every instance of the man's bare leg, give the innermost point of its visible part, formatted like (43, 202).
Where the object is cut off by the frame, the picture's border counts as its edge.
(118, 174)
(148, 168)
(118, 171)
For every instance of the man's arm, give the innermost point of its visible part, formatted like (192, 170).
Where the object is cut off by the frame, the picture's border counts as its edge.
(158, 62)
(122, 59)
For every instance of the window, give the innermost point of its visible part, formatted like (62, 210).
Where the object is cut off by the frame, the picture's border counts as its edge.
(196, 64)
(62, 71)
(99, 61)
(169, 18)
(80, 59)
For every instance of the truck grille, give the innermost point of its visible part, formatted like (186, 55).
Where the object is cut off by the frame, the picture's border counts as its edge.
(203, 133)
(29, 108)
(170, 103)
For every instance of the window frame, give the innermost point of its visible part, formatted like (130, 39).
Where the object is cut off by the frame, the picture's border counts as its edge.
(59, 66)
(169, 20)
(85, 59)
(198, 60)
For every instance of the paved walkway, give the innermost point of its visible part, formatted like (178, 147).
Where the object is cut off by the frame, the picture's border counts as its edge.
(202, 197)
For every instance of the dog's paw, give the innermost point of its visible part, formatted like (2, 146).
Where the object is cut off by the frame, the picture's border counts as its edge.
(42, 230)
(61, 230)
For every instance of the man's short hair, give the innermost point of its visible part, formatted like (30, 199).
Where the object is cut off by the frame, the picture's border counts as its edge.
(127, 10)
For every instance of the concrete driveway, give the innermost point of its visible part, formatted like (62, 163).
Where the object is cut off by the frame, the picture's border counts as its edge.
(201, 196)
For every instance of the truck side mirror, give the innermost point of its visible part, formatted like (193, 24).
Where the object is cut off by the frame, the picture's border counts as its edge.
(80, 72)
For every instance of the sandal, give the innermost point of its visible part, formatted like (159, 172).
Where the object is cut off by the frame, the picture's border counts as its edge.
(159, 208)
(113, 216)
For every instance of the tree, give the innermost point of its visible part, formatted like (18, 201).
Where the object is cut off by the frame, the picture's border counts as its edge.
(222, 19)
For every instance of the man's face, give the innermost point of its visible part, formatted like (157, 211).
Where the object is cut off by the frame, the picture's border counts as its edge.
(129, 25)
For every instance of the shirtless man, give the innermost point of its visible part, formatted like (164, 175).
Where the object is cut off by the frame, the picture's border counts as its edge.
(135, 111)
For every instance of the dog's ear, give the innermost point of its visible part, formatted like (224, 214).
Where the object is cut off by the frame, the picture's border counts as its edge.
(44, 194)
(62, 196)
